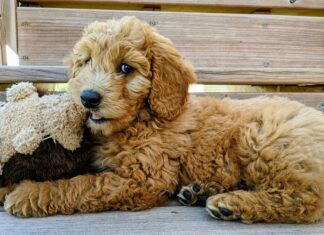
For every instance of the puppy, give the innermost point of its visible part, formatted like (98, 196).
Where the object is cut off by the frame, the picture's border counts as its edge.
(255, 160)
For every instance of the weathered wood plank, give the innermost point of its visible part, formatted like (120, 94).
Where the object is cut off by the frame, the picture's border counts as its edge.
(46, 36)
(162, 220)
(8, 33)
(246, 76)
(303, 4)
(260, 76)
(2, 32)
(312, 99)
(1, 55)
(48, 74)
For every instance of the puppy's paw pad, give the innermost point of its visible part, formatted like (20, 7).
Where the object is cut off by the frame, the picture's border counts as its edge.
(221, 211)
(196, 188)
(192, 194)
(214, 213)
(225, 212)
(185, 196)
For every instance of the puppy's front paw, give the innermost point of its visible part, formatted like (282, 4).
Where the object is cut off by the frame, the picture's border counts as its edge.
(224, 207)
(26, 201)
(192, 194)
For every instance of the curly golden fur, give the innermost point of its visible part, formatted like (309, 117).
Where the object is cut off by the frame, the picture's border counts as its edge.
(156, 138)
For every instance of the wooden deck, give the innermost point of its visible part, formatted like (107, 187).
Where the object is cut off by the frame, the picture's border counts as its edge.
(163, 220)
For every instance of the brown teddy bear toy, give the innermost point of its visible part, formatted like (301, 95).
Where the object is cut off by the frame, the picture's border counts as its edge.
(42, 138)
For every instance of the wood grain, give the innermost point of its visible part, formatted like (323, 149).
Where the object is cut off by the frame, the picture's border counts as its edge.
(2, 32)
(260, 76)
(1, 53)
(46, 74)
(46, 36)
(303, 4)
(240, 76)
(161, 220)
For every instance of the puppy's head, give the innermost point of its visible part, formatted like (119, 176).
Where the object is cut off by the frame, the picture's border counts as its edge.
(119, 66)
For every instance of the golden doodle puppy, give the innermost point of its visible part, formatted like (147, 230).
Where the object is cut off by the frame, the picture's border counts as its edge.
(255, 160)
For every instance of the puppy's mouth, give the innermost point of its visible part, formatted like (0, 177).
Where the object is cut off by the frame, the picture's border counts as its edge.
(96, 118)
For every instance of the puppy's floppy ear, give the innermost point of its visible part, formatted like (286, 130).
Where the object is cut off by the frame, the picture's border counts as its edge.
(171, 76)
(72, 62)
(68, 61)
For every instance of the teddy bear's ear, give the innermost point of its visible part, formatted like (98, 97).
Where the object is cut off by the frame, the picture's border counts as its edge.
(20, 91)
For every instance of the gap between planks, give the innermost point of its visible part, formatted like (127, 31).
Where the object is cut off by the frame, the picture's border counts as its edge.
(228, 76)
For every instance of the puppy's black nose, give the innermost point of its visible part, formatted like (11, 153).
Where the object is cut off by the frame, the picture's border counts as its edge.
(90, 99)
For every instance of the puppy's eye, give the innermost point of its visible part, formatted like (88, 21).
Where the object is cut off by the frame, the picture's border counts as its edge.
(125, 69)
(89, 61)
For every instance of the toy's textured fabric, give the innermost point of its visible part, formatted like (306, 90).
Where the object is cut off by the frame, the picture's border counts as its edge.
(50, 161)
(260, 159)
(27, 119)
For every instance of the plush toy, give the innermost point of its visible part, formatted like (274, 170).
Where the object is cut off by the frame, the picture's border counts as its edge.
(42, 138)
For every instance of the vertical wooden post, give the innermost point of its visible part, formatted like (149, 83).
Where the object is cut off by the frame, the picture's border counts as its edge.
(1, 63)
(1, 31)
(8, 30)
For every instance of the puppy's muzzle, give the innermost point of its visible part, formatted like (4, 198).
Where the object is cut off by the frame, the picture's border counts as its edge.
(90, 99)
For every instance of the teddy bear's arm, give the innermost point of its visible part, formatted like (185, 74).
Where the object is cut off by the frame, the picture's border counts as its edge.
(27, 140)
(69, 139)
